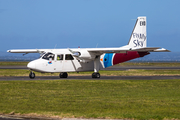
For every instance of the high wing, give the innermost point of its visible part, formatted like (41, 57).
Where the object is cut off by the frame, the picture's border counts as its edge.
(27, 51)
(96, 50)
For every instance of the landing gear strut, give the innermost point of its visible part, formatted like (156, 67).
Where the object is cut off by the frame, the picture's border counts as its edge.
(31, 75)
(96, 68)
(63, 75)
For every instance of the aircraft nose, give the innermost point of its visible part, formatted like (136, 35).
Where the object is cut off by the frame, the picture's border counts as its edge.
(31, 65)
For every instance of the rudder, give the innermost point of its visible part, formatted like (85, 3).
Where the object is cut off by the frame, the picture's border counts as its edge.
(138, 36)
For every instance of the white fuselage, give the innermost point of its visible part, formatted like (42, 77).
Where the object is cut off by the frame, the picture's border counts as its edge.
(67, 62)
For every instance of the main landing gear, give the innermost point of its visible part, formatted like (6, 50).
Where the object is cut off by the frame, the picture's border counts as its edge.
(96, 75)
(63, 75)
(96, 68)
(31, 75)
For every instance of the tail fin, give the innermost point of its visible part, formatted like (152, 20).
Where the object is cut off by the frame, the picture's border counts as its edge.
(138, 36)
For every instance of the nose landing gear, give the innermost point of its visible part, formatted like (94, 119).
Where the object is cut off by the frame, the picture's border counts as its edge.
(31, 75)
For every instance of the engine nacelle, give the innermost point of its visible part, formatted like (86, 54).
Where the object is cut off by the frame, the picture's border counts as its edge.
(84, 55)
(84, 61)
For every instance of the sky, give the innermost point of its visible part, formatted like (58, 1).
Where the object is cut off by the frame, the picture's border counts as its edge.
(44, 24)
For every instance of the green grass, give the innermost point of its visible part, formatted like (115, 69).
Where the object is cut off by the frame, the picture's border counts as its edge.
(13, 63)
(131, 72)
(139, 99)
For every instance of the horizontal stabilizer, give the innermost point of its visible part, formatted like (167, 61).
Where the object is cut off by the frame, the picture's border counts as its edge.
(161, 50)
(149, 49)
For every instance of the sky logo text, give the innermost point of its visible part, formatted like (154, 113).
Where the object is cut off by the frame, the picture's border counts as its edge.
(140, 38)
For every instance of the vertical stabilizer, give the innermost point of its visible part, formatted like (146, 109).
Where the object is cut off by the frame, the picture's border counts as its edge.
(138, 36)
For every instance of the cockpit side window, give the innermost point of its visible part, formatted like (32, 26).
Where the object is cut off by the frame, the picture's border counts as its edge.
(60, 57)
(48, 56)
(69, 57)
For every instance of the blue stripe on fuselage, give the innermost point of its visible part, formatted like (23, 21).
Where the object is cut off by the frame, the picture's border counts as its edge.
(108, 59)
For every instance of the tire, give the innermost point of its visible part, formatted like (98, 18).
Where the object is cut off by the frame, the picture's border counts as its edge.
(96, 75)
(63, 75)
(31, 75)
(93, 75)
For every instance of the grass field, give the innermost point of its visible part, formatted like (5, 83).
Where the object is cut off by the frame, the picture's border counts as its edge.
(13, 63)
(138, 99)
(134, 99)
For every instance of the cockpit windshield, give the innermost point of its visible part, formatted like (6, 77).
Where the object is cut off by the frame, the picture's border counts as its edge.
(48, 56)
(42, 54)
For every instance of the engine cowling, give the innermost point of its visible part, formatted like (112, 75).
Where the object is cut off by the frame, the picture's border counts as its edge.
(84, 55)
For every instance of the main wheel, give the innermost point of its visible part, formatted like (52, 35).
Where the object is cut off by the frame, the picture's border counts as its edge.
(96, 75)
(63, 75)
(31, 75)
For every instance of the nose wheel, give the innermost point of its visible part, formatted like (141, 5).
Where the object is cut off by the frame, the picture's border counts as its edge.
(63, 75)
(96, 75)
(31, 75)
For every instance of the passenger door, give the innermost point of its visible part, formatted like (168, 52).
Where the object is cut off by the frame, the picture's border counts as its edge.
(59, 62)
(68, 64)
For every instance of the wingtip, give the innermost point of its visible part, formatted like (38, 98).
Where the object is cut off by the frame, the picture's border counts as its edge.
(162, 50)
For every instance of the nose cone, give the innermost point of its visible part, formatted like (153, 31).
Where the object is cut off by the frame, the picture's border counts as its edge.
(31, 65)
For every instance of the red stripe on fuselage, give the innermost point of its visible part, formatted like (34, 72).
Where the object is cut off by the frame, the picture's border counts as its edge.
(122, 57)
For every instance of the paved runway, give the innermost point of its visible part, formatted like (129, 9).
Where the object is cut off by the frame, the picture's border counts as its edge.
(102, 77)
(116, 67)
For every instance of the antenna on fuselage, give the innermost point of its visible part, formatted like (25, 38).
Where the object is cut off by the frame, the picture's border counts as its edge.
(55, 46)
(96, 45)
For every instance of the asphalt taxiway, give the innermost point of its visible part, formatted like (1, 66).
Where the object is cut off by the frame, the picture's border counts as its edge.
(102, 77)
(116, 67)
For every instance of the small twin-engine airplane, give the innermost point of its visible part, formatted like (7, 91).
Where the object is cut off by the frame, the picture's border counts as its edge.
(89, 59)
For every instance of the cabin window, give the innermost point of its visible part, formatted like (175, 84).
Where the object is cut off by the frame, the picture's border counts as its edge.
(48, 56)
(69, 57)
(60, 57)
